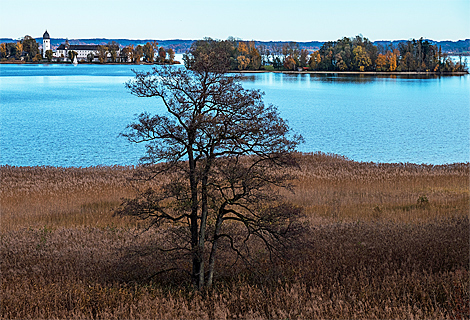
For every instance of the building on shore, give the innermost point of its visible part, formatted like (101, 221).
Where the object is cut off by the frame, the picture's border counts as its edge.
(46, 43)
(82, 50)
(85, 52)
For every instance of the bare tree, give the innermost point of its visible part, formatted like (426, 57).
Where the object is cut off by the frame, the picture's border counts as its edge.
(224, 150)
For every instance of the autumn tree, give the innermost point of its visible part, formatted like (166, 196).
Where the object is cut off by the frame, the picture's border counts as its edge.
(113, 49)
(149, 52)
(161, 55)
(137, 54)
(210, 55)
(361, 59)
(381, 63)
(10, 49)
(18, 49)
(289, 63)
(392, 59)
(247, 56)
(102, 53)
(326, 53)
(372, 52)
(236, 55)
(255, 58)
(243, 62)
(225, 151)
(242, 48)
(127, 53)
(171, 55)
(406, 63)
(343, 56)
(303, 57)
(3, 50)
(37, 58)
(340, 63)
(49, 54)
(314, 60)
(407, 54)
(30, 47)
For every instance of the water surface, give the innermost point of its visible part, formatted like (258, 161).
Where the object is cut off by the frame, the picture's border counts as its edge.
(65, 115)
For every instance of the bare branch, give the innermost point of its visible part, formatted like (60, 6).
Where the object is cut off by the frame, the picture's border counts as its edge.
(216, 155)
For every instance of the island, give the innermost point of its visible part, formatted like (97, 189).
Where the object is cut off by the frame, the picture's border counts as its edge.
(347, 55)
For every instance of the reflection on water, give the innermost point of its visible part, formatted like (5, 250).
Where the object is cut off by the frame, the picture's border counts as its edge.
(305, 78)
(71, 116)
(384, 118)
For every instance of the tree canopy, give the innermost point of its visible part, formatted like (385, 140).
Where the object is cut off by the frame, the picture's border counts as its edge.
(346, 54)
(30, 47)
(225, 151)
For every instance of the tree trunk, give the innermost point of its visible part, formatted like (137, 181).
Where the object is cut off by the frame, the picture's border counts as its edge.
(204, 213)
(202, 230)
(218, 225)
(193, 221)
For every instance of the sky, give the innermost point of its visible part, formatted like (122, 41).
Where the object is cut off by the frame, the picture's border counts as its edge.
(264, 20)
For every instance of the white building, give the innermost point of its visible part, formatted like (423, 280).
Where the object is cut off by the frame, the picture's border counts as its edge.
(46, 43)
(82, 50)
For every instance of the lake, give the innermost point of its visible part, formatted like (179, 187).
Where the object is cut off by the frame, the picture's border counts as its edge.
(65, 115)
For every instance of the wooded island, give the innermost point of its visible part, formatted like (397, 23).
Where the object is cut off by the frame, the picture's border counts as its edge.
(354, 54)
(346, 54)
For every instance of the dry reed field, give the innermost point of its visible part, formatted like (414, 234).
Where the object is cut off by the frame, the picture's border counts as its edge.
(381, 241)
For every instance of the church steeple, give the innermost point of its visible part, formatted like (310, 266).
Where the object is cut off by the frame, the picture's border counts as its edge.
(46, 43)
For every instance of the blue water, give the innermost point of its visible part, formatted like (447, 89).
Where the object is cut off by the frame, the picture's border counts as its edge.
(65, 115)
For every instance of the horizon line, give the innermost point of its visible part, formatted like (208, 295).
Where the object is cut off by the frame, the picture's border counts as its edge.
(238, 39)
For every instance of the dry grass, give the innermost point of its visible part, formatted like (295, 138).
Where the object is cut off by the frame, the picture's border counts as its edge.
(61, 197)
(333, 187)
(375, 248)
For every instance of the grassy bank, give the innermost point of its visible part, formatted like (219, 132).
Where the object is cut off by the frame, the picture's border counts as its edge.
(382, 241)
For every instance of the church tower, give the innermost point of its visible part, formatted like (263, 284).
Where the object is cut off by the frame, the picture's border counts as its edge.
(46, 43)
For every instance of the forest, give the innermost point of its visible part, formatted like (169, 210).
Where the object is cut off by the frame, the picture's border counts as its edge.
(346, 54)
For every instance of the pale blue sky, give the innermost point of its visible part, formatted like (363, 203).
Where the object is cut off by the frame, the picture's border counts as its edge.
(297, 20)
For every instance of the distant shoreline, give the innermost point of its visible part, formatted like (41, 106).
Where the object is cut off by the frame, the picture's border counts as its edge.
(91, 63)
(424, 73)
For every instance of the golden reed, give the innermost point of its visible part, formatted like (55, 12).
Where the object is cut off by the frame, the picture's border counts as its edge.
(383, 241)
